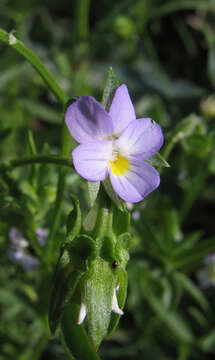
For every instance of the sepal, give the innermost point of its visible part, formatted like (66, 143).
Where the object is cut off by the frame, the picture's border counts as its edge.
(72, 264)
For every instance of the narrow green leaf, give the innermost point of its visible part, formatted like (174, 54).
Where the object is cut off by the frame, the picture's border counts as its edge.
(158, 161)
(200, 250)
(111, 193)
(74, 220)
(172, 319)
(71, 266)
(182, 130)
(121, 221)
(111, 84)
(211, 64)
(64, 284)
(192, 289)
(93, 189)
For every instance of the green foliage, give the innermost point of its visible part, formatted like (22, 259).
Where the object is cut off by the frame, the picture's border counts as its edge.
(164, 52)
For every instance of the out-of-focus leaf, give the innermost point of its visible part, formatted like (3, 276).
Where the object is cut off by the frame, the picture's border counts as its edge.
(173, 320)
(207, 342)
(200, 250)
(42, 111)
(11, 74)
(192, 289)
(182, 130)
(211, 64)
(5, 133)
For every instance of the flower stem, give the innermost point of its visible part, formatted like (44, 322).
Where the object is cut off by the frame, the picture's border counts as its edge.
(49, 159)
(49, 79)
(53, 86)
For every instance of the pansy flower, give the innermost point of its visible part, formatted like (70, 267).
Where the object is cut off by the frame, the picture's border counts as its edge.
(115, 144)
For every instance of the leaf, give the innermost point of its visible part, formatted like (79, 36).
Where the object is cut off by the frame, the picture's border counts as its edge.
(5, 133)
(121, 221)
(158, 161)
(211, 64)
(182, 130)
(93, 189)
(64, 284)
(111, 193)
(172, 319)
(74, 220)
(42, 111)
(192, 289)
(71, 266)
(198, 252)
(111, 84)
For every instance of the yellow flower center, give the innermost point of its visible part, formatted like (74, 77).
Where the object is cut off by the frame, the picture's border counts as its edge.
(119, 166)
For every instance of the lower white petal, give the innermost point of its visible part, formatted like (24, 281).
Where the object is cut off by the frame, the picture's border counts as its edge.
(82, 314)
(115, 306)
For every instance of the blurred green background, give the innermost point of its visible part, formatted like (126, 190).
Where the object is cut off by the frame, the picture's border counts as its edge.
(164, 50)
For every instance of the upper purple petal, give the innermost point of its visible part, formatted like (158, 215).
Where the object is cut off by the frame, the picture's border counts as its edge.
(88, 121)
(91, 160)
(121, 110)
(137, 182)
(142, 137)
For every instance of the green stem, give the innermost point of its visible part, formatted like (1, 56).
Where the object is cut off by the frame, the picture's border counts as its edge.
(53, 86)
(50, 81)
(83, 7)
(174, 6)
(48, 159)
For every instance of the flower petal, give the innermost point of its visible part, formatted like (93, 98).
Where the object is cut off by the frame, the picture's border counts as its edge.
(137, 182)
(91, 160)
(121, 110)
(142, 137)
(88, 121)
(82, 314)
(115, 306)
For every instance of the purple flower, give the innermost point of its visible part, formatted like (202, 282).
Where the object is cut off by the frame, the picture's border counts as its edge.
(42, 235)
(18, 250)
(115, 143)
